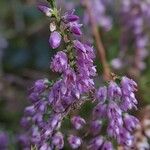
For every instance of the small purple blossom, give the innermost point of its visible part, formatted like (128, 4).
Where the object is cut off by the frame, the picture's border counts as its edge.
(70, 17)
(45, 9)
(71, 23)
(45, 147)
(30, 110)
(40, 85)
(96, 143)
(102, 94)
(55, 39)
(96, 126)
(107, 146)
(78, 122)
(79, 46)
(75, 28)
(128, 85)
(74, 141)
(99, 110)
(130, 122)
(114, 91)
(58, 140)
(59, 62)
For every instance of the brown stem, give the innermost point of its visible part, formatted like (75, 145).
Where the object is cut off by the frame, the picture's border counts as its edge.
(98, 41)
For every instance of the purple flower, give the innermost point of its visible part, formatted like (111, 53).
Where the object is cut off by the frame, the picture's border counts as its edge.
(117, 63)
(99, 111)
(45, 146)
(70, 77)
(75, 28)
(54, 121)
(128, 103)
(128, 85)
(40, 85)
(125, 138)
(64, 92)
(85, 84)
(96, 126)
(36, 136)
(70, 17)
(130, 122)
(96, 143)
(79, 46)
(71, 22)
(89, 51)
(55, 39)
(114, 91)
(34, 97)
(102, 94)
(38, 118)
(45, 9)
(59, 62)
(85, 57)
(107, 146)
(58, 140)
(74, 141)
(113, 110)
(30, 110)
(78, 122)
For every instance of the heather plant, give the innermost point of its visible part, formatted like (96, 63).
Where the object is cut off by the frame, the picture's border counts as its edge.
(108, 123)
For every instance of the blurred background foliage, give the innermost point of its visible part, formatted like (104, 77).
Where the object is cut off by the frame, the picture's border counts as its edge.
(25, 56)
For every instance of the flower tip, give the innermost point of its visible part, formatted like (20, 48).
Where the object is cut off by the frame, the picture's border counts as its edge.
(45, 9)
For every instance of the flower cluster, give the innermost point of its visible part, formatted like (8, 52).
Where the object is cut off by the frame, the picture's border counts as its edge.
(134, 16)
(113, 103)
(52, 102)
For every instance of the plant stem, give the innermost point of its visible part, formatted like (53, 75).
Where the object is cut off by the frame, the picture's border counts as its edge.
(52, 3)
(99, 44)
